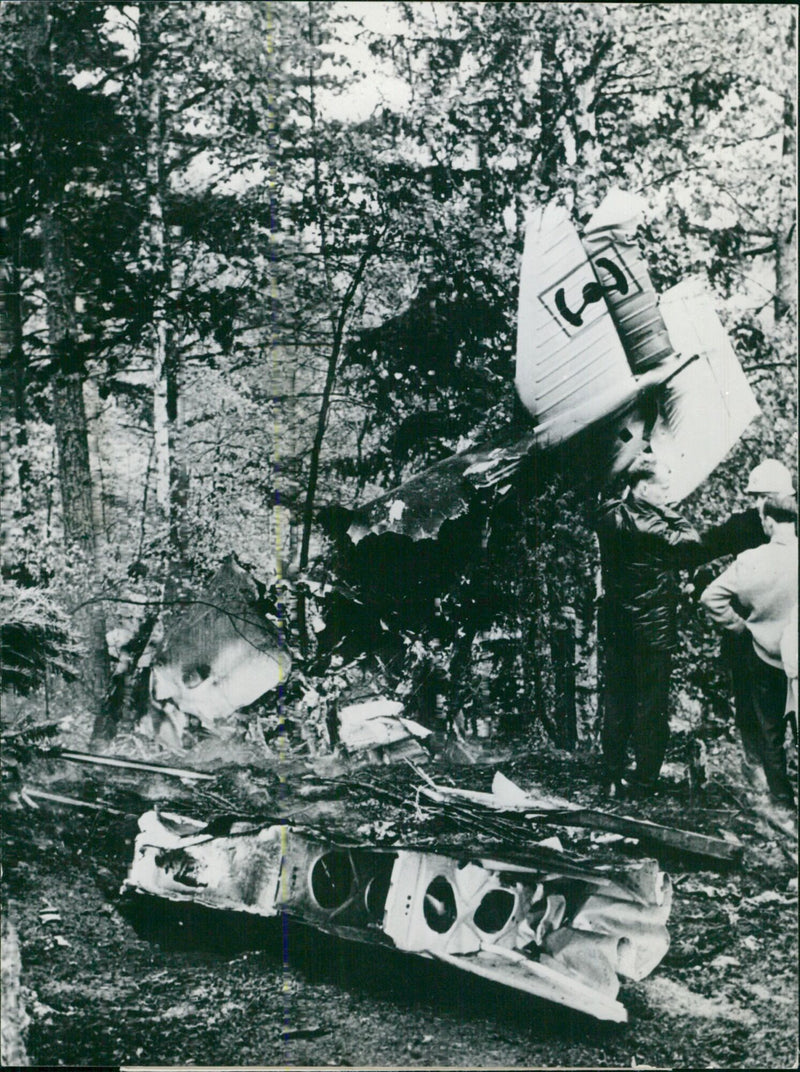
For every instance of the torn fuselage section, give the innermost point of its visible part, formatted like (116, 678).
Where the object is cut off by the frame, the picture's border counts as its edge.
(565, 936)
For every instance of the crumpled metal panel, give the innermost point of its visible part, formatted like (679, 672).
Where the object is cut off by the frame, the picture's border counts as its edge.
(639, 928)
(175, 858)
(594, 958)
(221, 654)
(419, 507)
(443, 492)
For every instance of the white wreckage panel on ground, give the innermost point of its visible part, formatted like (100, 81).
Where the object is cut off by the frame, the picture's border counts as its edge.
(219, 656)
(564, 936)
(375, 724)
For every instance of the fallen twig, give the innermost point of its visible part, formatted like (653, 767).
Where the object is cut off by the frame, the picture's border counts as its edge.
(131, 764)
(72, 802)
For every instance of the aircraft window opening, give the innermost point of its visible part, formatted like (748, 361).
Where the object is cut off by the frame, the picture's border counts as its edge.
(439, 905)
(331, 879)
(494, 911)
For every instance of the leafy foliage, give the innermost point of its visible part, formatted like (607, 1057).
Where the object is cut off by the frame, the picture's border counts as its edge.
(36, 638)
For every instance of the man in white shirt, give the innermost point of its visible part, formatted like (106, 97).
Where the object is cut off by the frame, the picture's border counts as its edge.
(756, 595)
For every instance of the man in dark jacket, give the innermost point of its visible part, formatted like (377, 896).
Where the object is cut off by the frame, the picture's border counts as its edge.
(642, 544)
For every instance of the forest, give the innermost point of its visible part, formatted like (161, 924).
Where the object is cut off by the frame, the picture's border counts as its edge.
(260, 267)
(236, 308)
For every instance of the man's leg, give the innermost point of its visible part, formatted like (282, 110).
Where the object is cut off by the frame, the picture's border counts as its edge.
(619, 702)
(737, 651)
(768, 692)
(651, 731)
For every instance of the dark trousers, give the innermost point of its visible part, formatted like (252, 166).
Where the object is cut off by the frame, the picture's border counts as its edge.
(737, 651)
(766, 703)
(635, 696)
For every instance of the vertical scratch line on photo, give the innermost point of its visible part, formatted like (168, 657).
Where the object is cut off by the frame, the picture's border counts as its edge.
(276, 509)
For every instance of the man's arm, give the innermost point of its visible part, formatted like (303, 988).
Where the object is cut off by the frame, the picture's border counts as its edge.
(674, 537)
(738, 533)
(718, 600)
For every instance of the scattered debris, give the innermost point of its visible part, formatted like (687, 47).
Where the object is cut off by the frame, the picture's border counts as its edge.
(379, 729)
(506, 796)
(552, 926)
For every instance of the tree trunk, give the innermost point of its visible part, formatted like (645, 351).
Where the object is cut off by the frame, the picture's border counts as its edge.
(338, 315)
(72, 441)
(786, 236)
(12, 342)
(157, 252)
(330, 379)
(551, 119)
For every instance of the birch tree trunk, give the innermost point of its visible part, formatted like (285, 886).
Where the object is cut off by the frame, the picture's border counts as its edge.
(157, 251)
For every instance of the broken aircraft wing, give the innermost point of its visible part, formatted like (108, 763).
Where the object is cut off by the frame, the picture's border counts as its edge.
(443, 492)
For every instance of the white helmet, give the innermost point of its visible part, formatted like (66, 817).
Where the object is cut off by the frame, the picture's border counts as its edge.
(770, 477)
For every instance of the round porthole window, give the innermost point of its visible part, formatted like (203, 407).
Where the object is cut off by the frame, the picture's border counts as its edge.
(331, 879)
(376, 893)
(439, 905)
(494, 911)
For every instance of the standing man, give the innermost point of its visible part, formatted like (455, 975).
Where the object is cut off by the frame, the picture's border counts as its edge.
(755, 597)
(642, 544)
(741, 532)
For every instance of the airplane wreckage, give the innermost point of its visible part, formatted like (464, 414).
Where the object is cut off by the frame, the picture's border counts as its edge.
(557, 929)
(595, 346)
(596, 349)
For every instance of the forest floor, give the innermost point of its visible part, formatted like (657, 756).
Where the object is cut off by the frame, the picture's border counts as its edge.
(104, 982)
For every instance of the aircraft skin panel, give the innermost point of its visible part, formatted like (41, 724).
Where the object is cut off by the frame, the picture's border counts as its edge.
(577, 393)
(707, 406)
(570, 355)
(568, 349)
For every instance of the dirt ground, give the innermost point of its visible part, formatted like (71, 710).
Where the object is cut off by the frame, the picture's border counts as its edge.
(106, 982)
